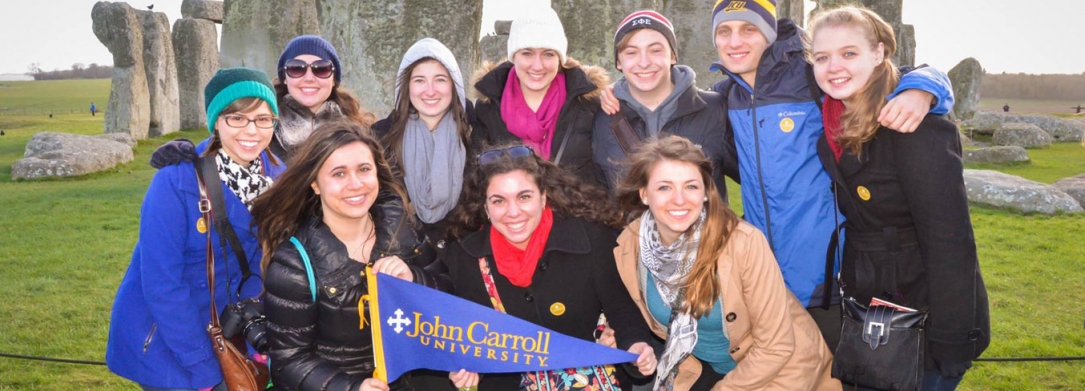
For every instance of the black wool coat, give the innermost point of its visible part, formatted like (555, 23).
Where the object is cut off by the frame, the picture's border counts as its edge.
(908, 236)
(577, 270)
(582, 85)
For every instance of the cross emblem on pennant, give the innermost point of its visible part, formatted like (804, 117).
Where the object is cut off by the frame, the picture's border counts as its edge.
(399, 321)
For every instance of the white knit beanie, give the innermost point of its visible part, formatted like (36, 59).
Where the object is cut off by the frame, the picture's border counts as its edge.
(537, 27)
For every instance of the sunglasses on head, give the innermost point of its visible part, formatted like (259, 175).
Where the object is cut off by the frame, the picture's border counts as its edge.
(322, 69)
(515, 152)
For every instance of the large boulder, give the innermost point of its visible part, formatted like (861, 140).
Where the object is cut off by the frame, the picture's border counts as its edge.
(195, 43)
(1021, 135)
(254, 32)
(202, 9)
(996, 155)
(791, 9)
(692, 21)
(1073, 186)
(492, 48)
(118, 27)
(161, 69)
(1060, 129)
(371, 37)
(53, 154)
(966, 78)
(996, 189)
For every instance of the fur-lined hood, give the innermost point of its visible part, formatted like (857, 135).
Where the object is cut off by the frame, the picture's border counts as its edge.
(585, 81)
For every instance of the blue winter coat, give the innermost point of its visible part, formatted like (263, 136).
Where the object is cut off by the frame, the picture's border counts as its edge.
(158, 330)
(785, 190)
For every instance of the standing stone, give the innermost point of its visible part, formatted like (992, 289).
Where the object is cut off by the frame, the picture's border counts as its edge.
(589, 26)
(492, 48)
(791, 9)
(371, 37)
(202, 9)
(195, 44)
(254, 32)
(890, 11)
(692, 20)
(118, 28)
(158, 61)
(966, 78)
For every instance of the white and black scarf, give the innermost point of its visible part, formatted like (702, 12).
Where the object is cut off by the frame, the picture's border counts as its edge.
(246, 182)
(669, 267)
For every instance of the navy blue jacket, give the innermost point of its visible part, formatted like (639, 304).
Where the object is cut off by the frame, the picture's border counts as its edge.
(158, 329)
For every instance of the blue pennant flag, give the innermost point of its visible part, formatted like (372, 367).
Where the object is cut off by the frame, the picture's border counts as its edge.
(418, 327)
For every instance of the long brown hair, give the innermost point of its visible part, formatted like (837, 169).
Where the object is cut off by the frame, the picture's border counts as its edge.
(860, 120)
(702, 284)
(243, 105)
(393, 141)
(566, 195)
(347, 102)
(291, 201)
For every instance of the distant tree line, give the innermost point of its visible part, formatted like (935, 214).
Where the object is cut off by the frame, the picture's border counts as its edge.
(78, 71)
(1028, 86)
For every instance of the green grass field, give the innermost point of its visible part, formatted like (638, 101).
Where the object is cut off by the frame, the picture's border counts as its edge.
(65, 244)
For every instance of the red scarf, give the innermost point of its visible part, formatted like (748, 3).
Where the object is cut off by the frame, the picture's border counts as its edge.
(534, 128)
(830, 117)
(519, 265)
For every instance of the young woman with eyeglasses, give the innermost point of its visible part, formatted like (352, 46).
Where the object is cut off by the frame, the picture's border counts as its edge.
(309, 92)
(534, 235)
(158, 331)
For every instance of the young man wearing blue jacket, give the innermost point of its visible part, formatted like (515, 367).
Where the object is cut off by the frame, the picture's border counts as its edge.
(774, 110)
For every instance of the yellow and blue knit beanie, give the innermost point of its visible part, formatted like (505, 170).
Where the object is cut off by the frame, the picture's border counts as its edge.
(230, 84)
(760, 13)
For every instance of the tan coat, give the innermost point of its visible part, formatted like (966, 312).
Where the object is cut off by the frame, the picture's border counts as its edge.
(774, 341)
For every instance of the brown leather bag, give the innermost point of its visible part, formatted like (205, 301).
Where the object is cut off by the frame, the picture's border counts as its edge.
(239, 372)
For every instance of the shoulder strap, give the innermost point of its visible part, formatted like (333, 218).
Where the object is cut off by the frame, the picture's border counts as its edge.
(623, 132)
(222, 222)
(308, 266)
(812, 83)
(561, 149)
(205, 210)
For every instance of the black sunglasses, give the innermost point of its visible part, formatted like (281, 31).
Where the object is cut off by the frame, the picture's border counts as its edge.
(515, 152)
(322, 69)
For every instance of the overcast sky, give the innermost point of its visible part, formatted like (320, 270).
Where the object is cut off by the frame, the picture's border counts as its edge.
(1004, 35)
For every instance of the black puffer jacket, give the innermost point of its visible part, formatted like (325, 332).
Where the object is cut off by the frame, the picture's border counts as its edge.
(318, 346)
(582, 86)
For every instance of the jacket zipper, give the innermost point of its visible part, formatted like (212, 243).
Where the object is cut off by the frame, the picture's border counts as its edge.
(150, 336)
(760, 174)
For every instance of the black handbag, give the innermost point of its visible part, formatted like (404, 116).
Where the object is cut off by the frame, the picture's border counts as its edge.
(880, 347)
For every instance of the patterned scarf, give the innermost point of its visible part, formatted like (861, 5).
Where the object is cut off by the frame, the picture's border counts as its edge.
(830, 115)
(246, 182)
(669, 266)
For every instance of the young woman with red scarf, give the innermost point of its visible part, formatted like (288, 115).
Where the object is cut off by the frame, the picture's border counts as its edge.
(536, 244)
(539, 97)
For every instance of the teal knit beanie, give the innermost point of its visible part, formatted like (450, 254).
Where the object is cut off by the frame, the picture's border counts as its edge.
(230, 84)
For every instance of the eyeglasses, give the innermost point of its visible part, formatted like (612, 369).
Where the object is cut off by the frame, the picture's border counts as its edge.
(238, 121)
(322, 69)
(515, 152)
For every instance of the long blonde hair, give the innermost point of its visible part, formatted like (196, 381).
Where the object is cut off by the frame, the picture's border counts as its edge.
(860, 120)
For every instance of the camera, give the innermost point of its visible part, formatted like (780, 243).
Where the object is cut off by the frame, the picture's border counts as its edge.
(246, 317)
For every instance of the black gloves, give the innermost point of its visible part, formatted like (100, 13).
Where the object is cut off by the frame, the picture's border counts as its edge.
(174, 152)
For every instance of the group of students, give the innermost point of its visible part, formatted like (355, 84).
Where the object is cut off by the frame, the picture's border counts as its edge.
(517, 196)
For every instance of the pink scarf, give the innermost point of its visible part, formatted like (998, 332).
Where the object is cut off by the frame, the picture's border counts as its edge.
(534, 128)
